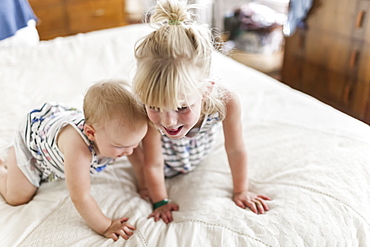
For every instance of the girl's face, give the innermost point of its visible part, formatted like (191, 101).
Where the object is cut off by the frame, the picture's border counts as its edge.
(114, 140)
(177, 123)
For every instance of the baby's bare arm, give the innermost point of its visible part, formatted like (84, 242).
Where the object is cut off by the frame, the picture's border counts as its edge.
(77, 158)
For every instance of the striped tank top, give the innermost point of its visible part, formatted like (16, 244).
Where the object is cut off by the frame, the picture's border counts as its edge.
(183, 155)
(40, 136)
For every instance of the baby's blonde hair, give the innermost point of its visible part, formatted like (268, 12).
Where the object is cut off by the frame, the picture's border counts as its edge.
(175, 60)
(110, 100)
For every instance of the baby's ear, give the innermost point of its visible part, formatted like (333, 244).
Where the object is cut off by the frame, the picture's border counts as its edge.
(89, 132)
(208, 91)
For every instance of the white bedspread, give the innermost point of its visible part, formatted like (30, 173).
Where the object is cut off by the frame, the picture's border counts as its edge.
(313, 161)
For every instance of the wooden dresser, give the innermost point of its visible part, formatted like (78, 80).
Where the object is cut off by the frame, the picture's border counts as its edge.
(330, 60)
(67, 17)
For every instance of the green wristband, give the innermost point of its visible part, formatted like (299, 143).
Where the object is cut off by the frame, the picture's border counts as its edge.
(160, 203)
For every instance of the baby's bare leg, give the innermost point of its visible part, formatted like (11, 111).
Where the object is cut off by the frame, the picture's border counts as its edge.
(14, 186)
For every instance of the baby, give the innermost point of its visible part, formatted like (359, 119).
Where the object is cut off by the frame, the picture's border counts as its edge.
(57, 142)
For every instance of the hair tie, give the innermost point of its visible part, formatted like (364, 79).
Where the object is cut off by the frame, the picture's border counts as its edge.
(174, 22)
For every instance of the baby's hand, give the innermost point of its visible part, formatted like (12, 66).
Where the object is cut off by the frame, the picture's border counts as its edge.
(119, 227)
(164, 212)
(251, 200)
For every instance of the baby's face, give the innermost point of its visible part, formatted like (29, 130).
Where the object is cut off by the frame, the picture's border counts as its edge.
(177, 123)
(115, 140)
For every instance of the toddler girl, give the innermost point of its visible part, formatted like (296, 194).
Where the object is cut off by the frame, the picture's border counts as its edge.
(186, 107)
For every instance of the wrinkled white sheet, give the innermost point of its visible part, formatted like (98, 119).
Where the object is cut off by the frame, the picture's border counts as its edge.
(311, 159)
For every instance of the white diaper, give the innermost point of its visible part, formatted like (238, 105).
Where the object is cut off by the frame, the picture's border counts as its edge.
(25, 160)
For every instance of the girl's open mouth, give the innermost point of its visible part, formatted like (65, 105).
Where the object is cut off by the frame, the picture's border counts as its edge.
(173, 132)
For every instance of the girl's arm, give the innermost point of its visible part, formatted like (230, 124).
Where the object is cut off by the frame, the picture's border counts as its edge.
(154, 175)
(77, 158)
(137, 161)
(237, 157)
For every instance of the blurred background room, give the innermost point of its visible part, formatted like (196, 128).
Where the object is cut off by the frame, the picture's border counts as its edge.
(320, 47)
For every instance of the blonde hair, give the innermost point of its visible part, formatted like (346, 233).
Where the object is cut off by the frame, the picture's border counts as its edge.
(175, 59)
(110, 100)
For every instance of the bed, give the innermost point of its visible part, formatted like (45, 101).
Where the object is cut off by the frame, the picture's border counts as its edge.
(312, 160)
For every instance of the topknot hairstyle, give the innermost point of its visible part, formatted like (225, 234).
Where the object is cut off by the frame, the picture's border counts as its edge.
(175, 59)
(172, 12)
(178, 34)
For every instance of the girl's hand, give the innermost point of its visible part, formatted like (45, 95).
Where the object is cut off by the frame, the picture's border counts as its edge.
(119, 227)
(164, 212)
(251, 200)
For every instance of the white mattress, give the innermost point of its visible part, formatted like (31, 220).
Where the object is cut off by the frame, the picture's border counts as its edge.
(313, 161)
